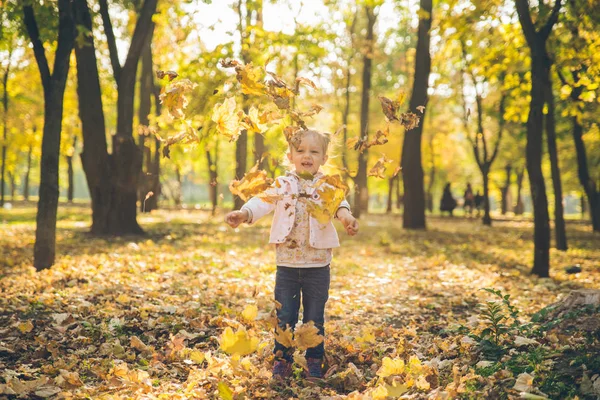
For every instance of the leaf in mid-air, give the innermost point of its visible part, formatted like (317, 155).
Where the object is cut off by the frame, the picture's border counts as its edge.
(329, 192)
(389, 107)
(253, 183)
(307, 336)
(168, 74)
(174, 99)
(227, 119)
(240, 342)
(379, 168)
(250, 77)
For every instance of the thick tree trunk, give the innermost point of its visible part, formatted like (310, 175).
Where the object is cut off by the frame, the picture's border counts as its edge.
(70, 179)
(27, 173)
(506, 190)
(540, 72)
(591, 191)
(95, 160)
(361, 189)
(126, 156)
(44, 249)
(412, 168)
(559, 217)
(13, 186)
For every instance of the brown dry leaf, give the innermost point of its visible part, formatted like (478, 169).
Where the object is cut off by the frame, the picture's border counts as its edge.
(306, 82)
(380, 166)
(389, 107)
(137, 344)
(168, 74)
(253, 183)
(174, 99)
(307, 336)
(409, 120)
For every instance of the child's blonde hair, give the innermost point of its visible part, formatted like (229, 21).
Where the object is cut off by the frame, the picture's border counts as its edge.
(295, 139)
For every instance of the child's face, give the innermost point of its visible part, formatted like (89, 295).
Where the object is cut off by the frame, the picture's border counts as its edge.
(309, 155)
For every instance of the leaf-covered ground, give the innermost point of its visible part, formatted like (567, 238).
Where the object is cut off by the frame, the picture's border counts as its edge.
(144, 317)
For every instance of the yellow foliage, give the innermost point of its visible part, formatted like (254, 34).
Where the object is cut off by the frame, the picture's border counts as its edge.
(391, 367)
(174, 99)
(307, 336)
(331, 190)
(227, 119)
(253, 183)
(250, 312)
(240, 342)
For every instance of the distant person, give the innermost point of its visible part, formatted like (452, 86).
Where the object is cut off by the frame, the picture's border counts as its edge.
(303, 246)
(478, 201)
(448, 203)
(469, 200)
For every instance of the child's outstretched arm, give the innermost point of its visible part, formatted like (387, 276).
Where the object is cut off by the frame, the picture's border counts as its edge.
(347, 219)
(235, 218)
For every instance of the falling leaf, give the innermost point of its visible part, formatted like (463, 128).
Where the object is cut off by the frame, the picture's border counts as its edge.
(329, 191)
(307, 336)
(252, 121)
(148, 195)
(240, 342)
(379, 168)
(284, 336)
(421, 109)
(174, 99)
(398, 169)
(389, 107)
(340, 129)
(250, 76)
(227, 119)
(168, 74)
(409, 120)
(253, 183)
(306, 82)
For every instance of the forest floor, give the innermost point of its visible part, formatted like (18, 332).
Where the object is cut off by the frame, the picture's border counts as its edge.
(167, 315)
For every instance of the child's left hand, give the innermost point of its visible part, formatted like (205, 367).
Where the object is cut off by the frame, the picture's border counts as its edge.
(350, 223)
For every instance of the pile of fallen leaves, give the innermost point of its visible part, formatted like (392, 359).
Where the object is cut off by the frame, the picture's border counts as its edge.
(187, 312)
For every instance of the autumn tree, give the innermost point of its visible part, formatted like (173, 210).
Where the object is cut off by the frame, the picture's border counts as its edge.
(412, 168)
(540, 81)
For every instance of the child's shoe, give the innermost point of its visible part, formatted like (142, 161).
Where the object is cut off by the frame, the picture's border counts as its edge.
(282, 369)
(315, 369)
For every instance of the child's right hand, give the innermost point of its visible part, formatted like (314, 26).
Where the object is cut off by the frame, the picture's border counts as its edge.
(235, 218)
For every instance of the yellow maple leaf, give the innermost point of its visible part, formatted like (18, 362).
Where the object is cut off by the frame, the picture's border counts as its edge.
(174, 99)
(250, 312)
(390, 367)
(329, 192)
(250, 78)
(253, 183)
(252, 121)
(197, 356)
(379, 393)
(240, 342)
(227, 119)
(307, 336)
(396, 389)
(284, 336)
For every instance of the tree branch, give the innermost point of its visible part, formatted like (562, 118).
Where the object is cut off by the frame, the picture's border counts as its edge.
(141, 32)
(547, 28)
(110, 38)
(38, 47)
(526, 22)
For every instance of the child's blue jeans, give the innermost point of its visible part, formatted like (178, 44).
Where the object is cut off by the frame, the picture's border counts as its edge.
(309, 286)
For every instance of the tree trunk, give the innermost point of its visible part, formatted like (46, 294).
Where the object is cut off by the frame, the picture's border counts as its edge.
(213, 185)
(4, 125)
(70, 178)
(146, 89)
(519, 207)
(591, 191)
(429, 194)
(126, 156)
(487, 219)
(412, 168)
(540, 72)
(44, 249)
(13, 186)
(390, 196)
(559, 217)
(177, 194)
(361, 189)
(95, 160)
(27, 173)
(506, 190)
